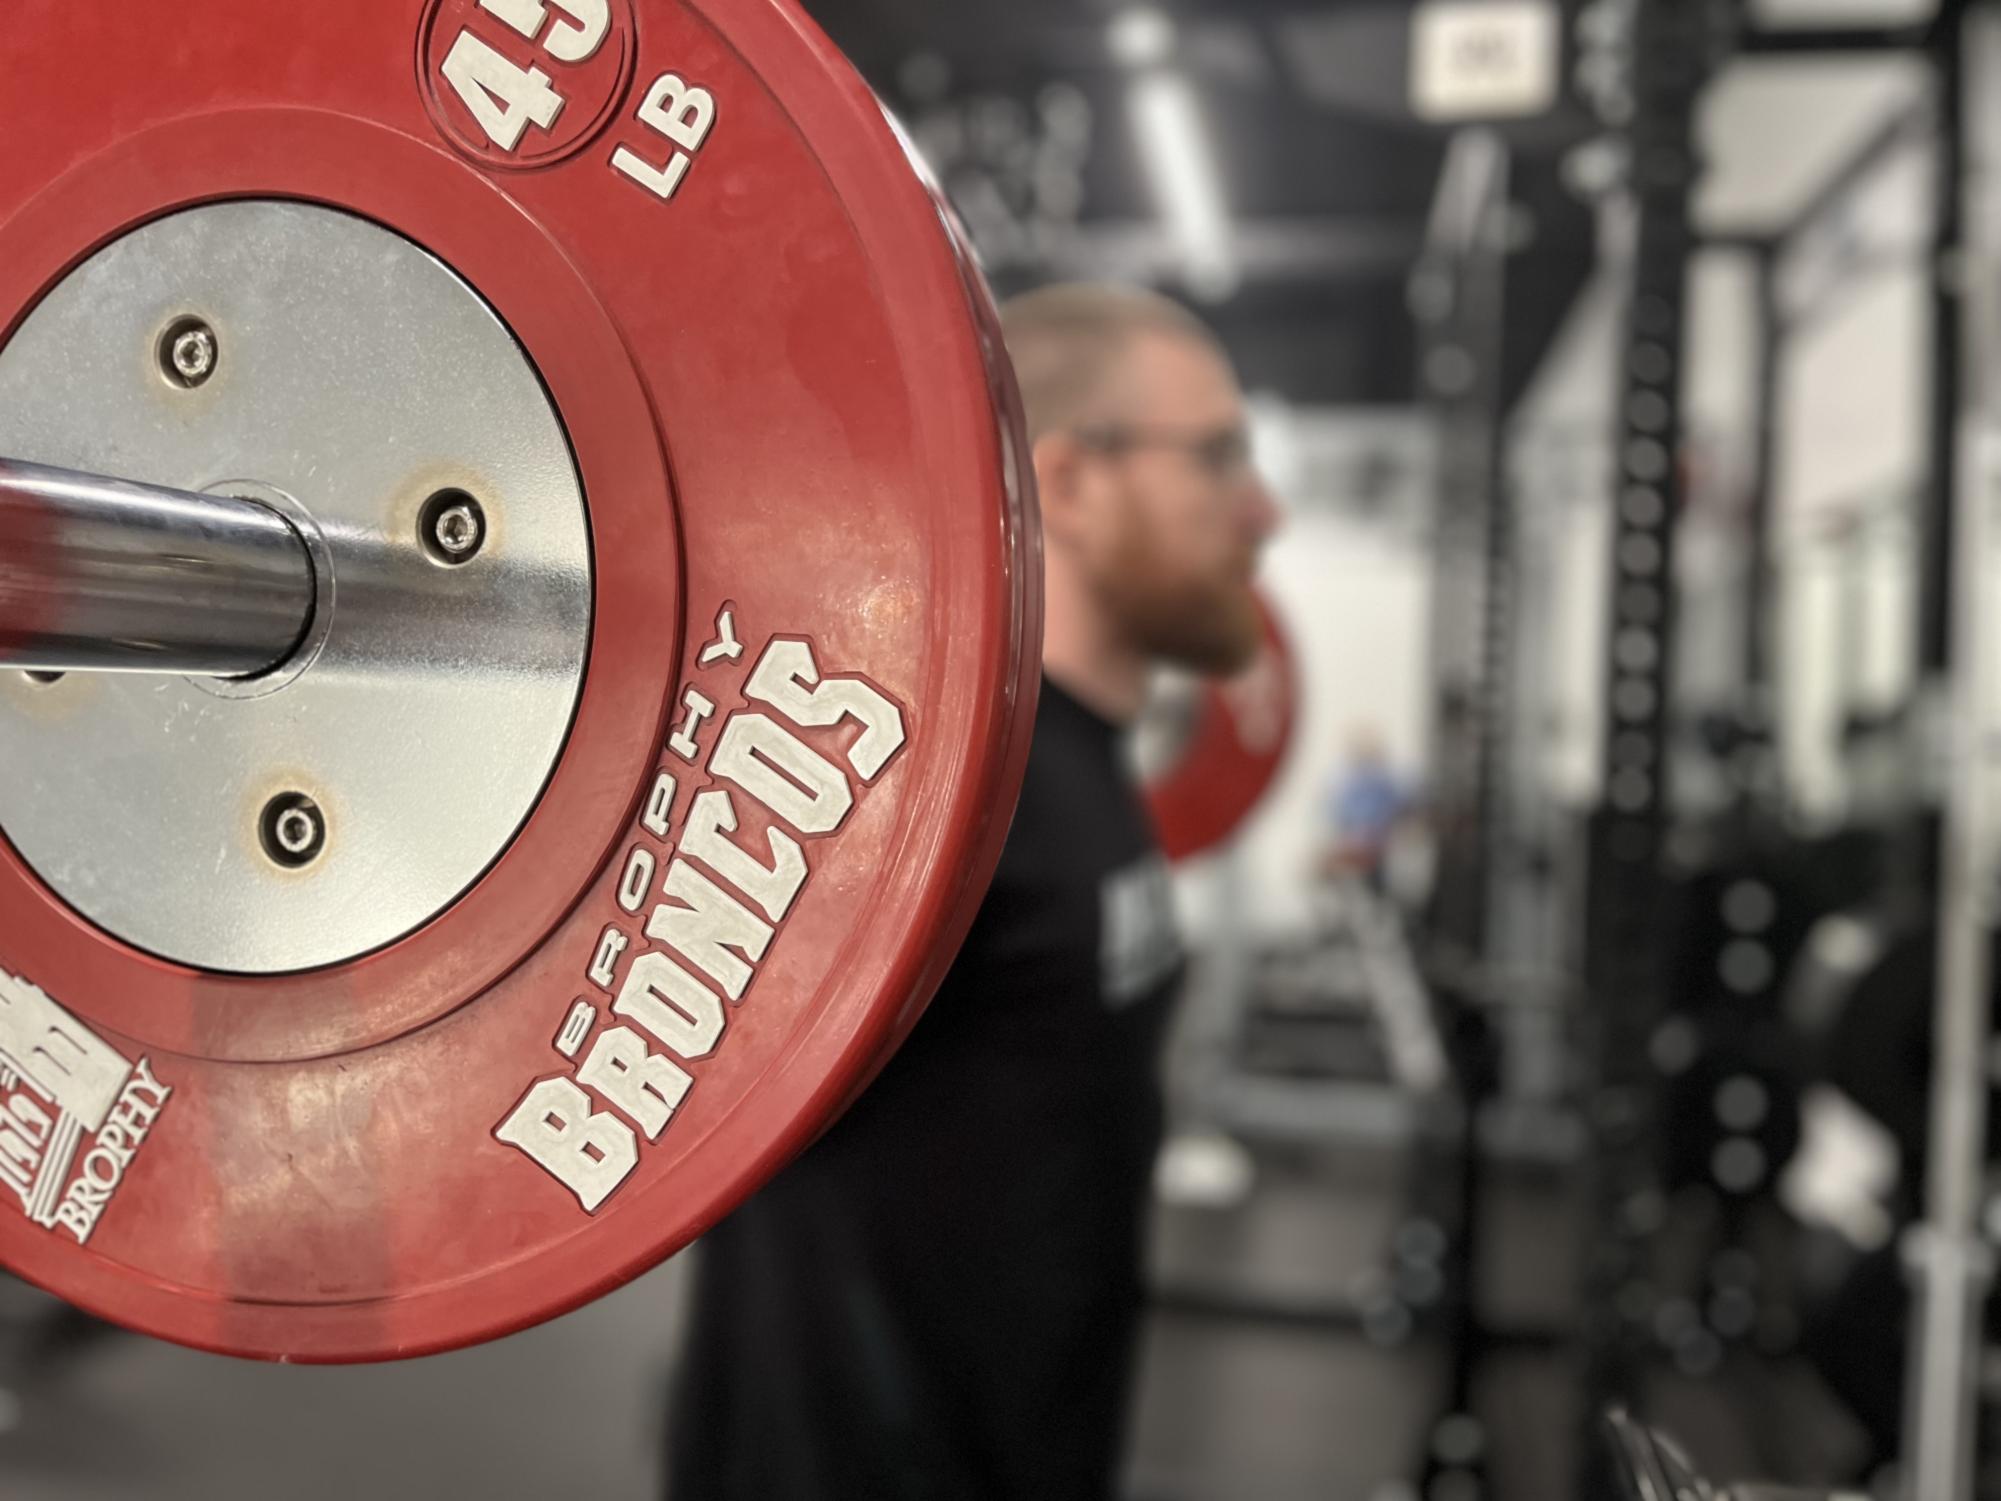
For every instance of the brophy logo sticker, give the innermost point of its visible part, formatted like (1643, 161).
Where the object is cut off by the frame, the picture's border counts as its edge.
(73, 1111)
(730, 835)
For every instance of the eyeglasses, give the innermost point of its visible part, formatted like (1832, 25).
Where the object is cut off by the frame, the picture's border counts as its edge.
(1224, 454)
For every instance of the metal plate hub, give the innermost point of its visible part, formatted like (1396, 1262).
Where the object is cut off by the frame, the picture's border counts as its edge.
(356, 381)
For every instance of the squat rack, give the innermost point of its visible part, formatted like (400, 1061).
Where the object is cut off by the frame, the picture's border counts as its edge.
(1675, 51)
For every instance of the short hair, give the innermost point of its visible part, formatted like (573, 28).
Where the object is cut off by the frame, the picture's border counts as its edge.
(1067, 343)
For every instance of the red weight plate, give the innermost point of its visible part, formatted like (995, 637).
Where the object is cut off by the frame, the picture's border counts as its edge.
(811, 678)
(1232, 752)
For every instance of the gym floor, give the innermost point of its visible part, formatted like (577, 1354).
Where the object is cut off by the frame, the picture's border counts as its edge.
(1235, 1406)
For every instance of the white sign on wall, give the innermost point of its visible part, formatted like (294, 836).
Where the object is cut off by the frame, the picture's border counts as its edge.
(1484, 59)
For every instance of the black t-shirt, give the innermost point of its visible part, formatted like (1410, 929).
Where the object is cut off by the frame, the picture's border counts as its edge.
(940, 1299)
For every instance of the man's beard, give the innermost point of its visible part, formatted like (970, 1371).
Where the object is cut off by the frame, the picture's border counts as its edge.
(1211, 626)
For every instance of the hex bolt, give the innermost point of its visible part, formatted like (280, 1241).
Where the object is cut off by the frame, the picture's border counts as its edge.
(452, 527)
(458, 531)
(293, 830)
(189, 353)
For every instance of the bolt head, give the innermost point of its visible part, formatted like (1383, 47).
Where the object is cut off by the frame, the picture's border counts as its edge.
(193, 355)
(294, 830)
(458, 530)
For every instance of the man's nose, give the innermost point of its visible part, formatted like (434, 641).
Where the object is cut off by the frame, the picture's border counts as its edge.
(1261, 514)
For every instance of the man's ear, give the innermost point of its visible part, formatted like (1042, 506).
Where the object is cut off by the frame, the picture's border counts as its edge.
(1060, 469)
